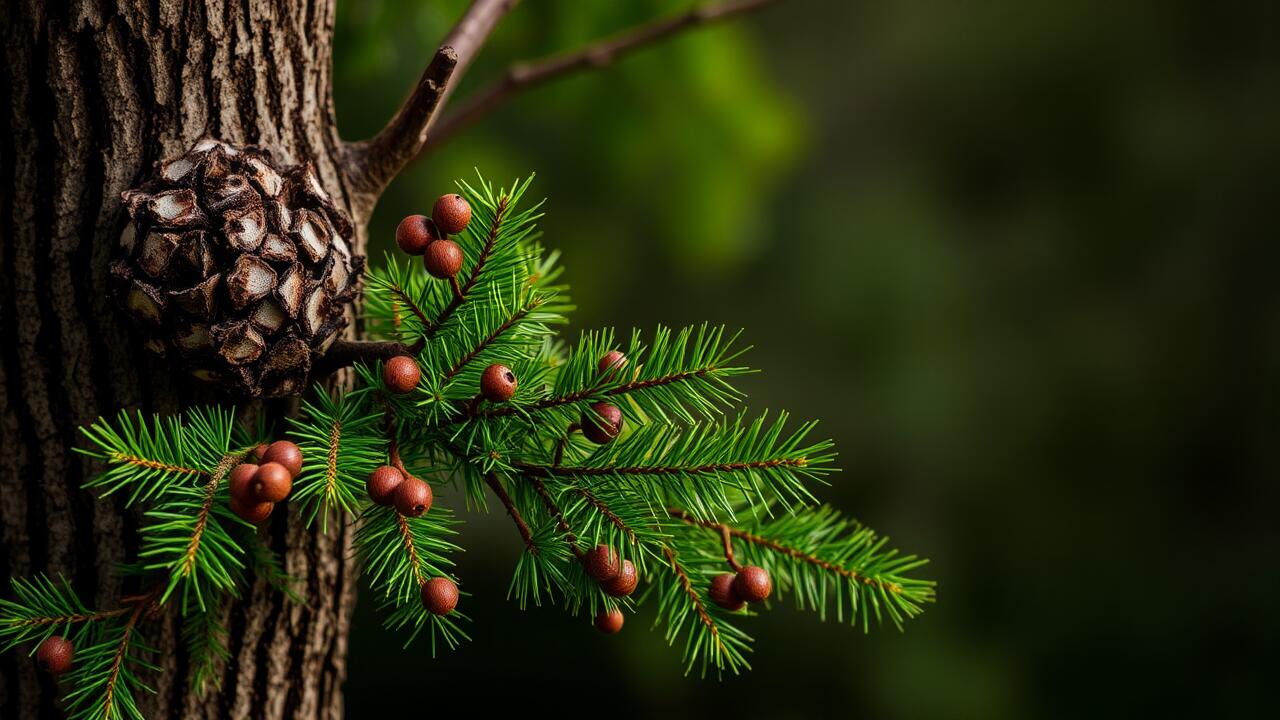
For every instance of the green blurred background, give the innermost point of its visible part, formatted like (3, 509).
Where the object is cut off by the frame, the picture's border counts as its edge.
(1018, 257)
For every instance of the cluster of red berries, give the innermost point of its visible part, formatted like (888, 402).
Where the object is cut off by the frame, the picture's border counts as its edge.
(256, 488)
(389, 487)
(751, 584)
(602, 422)
(429, 236)
(617, 579)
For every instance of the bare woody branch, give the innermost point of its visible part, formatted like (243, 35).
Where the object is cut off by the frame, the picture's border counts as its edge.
(373, 163)
(345, 353)
(528, 74)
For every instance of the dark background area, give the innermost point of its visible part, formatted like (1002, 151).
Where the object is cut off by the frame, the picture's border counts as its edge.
(1020, 258)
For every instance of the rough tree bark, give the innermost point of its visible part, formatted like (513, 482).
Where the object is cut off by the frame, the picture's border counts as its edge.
(91, 96)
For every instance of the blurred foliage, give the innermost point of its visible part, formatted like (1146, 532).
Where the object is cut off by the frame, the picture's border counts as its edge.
(1020, 259)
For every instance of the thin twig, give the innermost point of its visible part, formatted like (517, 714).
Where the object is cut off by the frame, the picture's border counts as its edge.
(480, 347)
(612, 517)
(578, 471)
(558, 515)
(345, 353)
(114, 675)
(527, 535)
(528, 74)
(687, 586)
(372, 164)
(137, 461)
(778, 547)
(728, 548)
(407, 537)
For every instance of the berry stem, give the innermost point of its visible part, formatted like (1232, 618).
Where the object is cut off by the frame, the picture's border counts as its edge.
(460, 294)
(562, 443)
(494, 484)
(728, 548)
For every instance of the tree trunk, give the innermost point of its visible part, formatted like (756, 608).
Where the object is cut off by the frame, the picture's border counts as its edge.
(90, 98)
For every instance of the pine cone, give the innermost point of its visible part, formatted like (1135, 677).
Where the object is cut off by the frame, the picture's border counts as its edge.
(239, 269)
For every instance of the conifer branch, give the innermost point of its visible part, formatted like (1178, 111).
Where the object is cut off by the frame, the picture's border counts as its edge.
(555, 512)
(338, 434)
(113, 676)
(612, 517)
(150, 457)
(528, 74)
(707, 469)
(402, 296)
(513, 320)
(407, 538)
(202, 518)
(778, 547)
(460, 294)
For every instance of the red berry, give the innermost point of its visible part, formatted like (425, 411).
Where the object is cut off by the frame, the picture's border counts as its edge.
(498, 383)
(382, 485)
(439, 596)
(601, 423)
(258, 452)
(254, 512)
(270, 484)
(721, 592)
(601, 563)
(240, 478)
(609, 622)
(625, 583)
(451, 214)
(443, 259)
(285, 453)
(752, 584)
(612, 360)
(401, 374)
(415, 233)
(55, 654)
(413, 497)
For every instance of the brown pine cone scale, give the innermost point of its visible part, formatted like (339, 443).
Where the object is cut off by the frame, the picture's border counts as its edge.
(237, 268)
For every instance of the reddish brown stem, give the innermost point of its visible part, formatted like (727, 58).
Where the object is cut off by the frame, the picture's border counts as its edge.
(778, 547)
(558, 515)
(480, 346)
(494, 484)
(575, 471)
(728, 548)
